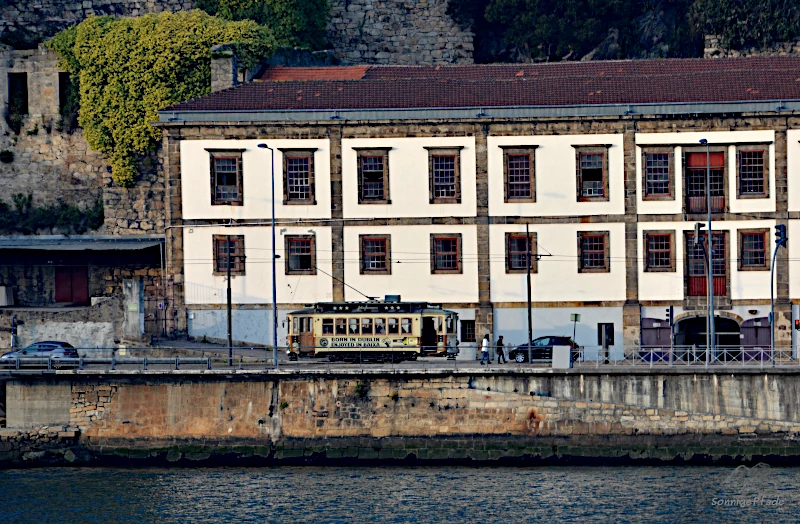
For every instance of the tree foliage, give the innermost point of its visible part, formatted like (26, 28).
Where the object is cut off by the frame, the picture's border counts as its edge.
(297, 22)
(26, 218)
(743, 23)
(555, 29)
(128, 68)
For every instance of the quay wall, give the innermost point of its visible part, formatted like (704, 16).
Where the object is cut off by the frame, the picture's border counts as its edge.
(263, 418)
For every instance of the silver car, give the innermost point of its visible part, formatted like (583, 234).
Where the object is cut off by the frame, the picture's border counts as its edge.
(43, 350)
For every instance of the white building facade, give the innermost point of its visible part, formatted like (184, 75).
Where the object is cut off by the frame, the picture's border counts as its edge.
(433, 205)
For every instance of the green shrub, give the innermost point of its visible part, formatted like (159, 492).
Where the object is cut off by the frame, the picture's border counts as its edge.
(129, 68)
(23, 217)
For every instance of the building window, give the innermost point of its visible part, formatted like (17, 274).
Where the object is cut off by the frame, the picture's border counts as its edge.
(467, 331)
(298, 176)
(752, 173)
(301, 255)
(697, 170)
(229, 249)
(658, 180)
(697, 265)
(18, 93)
(373, 176)
(518, 174)
(518, 248)
(592, 173)
(753, 254)
(375, 255)
(444, 175)
(226, 177)
(659, 251)
(593, 252)
(445, 254)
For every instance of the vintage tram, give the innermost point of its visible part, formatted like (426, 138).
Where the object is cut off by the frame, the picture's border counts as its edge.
(376, 330)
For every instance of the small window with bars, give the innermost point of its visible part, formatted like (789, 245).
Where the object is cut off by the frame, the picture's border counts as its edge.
(298, 176)
(657, 175)
(659, 251)
(520, 250)
(300, 255)
(226, 179)
(593, 252)
(753, 250)
(445, 254)
(373, 176)
(752, 173)
(229, 252)
(518, 174)
(375, 255)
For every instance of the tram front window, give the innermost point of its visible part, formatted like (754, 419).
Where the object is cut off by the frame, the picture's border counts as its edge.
(327, 326)
(394, 326)
(451, 325)
(341, 326)
(352, 326)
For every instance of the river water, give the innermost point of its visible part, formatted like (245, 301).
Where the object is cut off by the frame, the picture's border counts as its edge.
(401, 494)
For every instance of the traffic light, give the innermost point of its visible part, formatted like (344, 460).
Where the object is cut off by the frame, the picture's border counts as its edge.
(780, 234)
(670, 315)
(697, 238)
(797, 324)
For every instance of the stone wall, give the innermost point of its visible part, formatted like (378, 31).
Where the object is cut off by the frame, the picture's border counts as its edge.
(702, 418)
(713, 48)
(394, 32)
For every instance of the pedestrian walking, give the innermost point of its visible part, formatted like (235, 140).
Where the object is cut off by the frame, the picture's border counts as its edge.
(485, 350)
(500, 353)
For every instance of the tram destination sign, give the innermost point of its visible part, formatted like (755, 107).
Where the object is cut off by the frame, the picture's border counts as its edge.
(356, 342)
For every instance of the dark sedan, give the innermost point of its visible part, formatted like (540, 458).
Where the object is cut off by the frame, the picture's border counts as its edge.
(542, 349)
(48, 349)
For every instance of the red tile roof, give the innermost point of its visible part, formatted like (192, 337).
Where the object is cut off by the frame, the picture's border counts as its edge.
(485, 86)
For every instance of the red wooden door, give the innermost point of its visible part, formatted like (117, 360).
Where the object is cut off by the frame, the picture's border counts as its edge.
(72, 285)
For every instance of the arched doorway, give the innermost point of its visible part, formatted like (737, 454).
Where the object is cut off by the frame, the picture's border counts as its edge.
(692, 332)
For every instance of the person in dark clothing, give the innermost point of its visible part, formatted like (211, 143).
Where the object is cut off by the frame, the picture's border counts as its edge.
(500, 351)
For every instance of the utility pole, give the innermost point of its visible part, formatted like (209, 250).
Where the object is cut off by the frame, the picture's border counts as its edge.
(780, 240)
(230, 320)
(528, 259)
(710, 252)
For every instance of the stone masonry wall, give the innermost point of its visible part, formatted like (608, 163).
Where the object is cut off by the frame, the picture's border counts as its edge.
(713, 48)
(397, 32)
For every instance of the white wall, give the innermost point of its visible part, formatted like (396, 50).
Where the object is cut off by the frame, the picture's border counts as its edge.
(730, 138)
(793, 232)
(793, 168)
(408, 178)
(745, 285)
(257, 174)
(411, 276)
(255, 287)
(557, 278)
(555, 176)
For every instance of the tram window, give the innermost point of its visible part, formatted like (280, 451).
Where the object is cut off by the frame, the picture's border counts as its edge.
(295, 324)
(380, 326)
(451, 325)
(327, 326)
(352, 326)
(366, 326)
(437, 324)
(341, 326)
(305, 324)
(394, 326)
(406, 324)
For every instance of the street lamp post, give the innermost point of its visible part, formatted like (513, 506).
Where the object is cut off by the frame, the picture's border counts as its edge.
(274, 269)
(710, 279)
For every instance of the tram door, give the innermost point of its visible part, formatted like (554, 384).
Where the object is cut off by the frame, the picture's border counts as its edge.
(306, 334)
(429, 338)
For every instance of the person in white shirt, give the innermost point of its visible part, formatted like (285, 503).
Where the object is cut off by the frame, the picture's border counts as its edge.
(485, 350)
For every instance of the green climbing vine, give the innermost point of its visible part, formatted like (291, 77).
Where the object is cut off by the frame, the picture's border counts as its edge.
(129, 68)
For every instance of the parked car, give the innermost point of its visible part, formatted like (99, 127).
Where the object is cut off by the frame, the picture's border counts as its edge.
(40, 350)
(542, 349)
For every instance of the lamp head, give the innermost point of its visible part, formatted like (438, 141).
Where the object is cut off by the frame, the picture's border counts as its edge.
(702, 141)
(263, 146)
